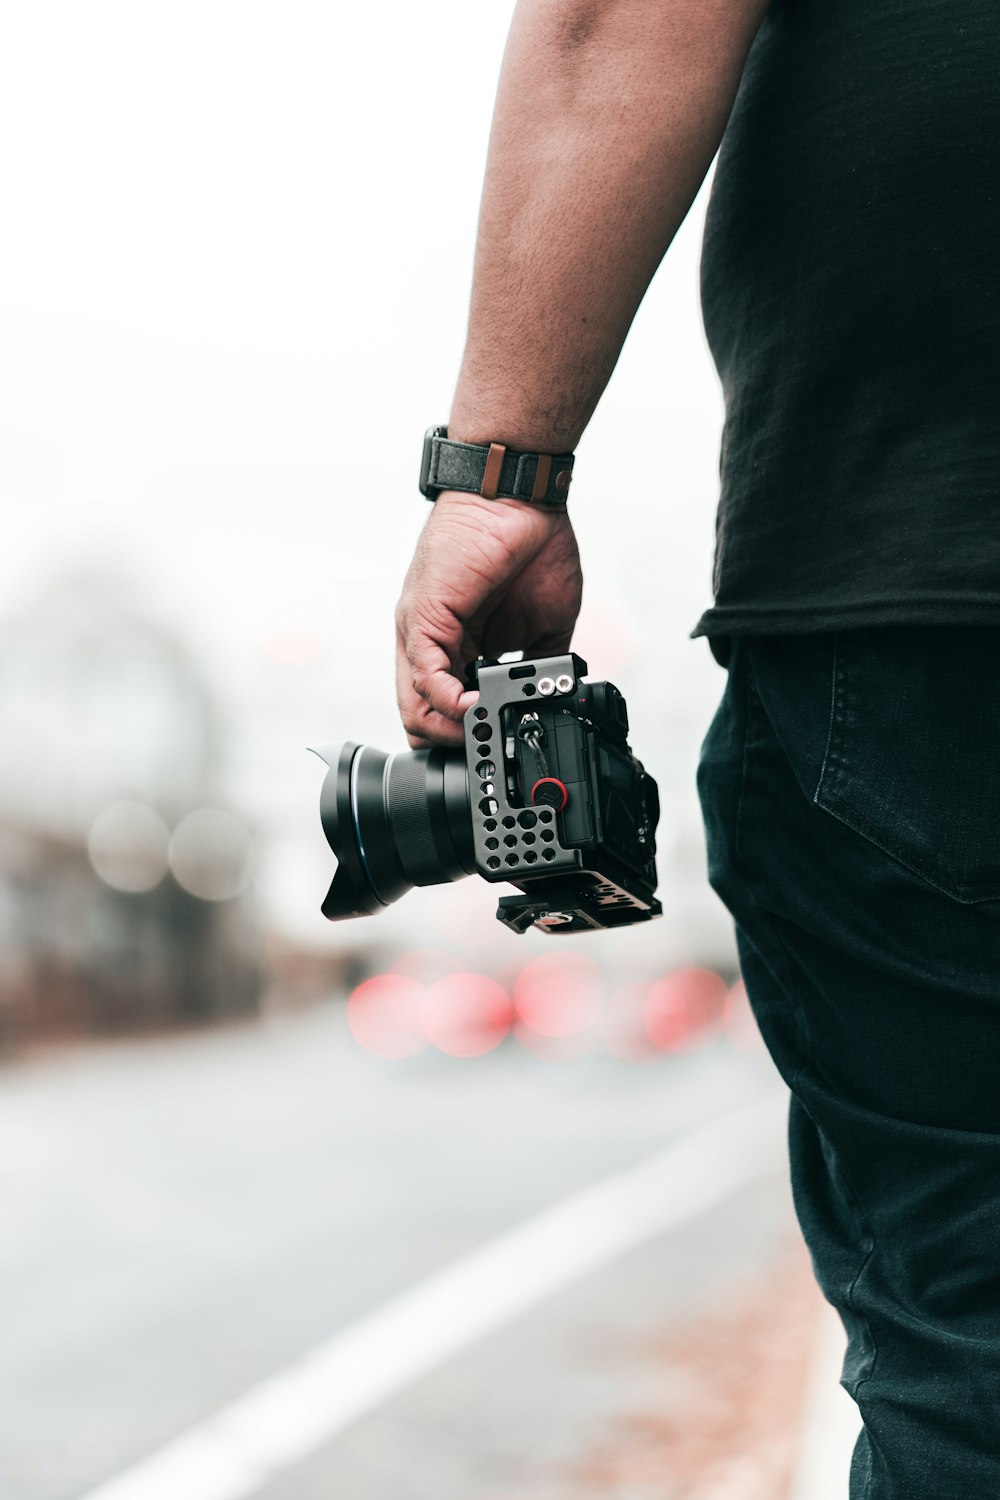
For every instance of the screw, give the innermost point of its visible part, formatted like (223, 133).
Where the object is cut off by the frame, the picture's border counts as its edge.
(546, 686)
(564, 683)
(555, 919)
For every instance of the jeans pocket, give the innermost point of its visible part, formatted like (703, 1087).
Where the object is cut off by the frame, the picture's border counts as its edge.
(913, 758)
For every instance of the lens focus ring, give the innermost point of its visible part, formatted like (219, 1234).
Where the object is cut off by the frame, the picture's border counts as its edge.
(410, 819)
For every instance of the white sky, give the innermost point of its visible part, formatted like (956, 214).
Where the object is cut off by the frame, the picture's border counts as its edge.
(233, 282)
(233, 288)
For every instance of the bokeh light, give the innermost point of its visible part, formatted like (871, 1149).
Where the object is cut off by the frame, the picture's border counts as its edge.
(127, 846)
(210, 854)
(683, 1008)
(559, 995)
(385, 1015)
(466, 1015)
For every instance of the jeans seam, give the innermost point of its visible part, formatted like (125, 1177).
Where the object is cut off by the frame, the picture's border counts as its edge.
(865, 830)
(751, 700)
(865, 1379)
(835, 701)
(748, 701)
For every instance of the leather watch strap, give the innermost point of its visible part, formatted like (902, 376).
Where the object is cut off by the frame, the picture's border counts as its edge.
(493, 470)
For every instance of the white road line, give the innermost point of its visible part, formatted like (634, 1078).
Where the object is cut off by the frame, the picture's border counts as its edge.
(238, 1450)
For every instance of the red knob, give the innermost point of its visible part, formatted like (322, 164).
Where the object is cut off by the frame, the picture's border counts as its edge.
(550, 792)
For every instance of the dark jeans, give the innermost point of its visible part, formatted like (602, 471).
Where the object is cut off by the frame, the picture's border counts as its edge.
(851, 791)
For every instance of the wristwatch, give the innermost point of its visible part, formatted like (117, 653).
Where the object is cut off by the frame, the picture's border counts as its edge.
(493, 470)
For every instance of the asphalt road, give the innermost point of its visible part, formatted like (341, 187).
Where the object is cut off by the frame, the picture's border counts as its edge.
(180, 1219)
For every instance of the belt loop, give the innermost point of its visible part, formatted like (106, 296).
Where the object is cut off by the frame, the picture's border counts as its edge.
(491, 476)
(542, 471)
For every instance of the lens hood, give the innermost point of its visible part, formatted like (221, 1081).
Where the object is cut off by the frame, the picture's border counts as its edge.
(393, 821)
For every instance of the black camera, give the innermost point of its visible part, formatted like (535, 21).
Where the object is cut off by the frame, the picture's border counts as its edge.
(546, 795)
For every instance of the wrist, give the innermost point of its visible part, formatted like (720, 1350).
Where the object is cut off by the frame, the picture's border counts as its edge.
(486, 421)
(507, 512)
(523, 437)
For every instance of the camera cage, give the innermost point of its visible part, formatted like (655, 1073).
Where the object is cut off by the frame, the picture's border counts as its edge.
(519, 843)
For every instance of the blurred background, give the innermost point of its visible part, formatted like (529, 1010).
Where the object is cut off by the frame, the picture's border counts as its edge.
(234, 281)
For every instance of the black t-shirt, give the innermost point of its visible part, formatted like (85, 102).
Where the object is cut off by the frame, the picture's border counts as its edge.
(851, 293)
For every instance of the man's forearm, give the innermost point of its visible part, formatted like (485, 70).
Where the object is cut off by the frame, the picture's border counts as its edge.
(608, 114)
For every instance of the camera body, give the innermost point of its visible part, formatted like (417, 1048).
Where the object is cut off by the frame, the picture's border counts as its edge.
(545, 795)
(560, 806)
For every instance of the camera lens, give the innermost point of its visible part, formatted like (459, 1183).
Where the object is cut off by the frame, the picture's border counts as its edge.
(393, 821)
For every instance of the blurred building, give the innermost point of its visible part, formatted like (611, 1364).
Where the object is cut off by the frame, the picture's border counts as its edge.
(123, 875)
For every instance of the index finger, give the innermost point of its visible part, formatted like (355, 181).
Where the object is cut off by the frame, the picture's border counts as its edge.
(420, 691)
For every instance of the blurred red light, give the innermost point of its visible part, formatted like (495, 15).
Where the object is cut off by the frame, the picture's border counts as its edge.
(559, 994)
(384, 1014)
(466, 1015)
(682, 1009)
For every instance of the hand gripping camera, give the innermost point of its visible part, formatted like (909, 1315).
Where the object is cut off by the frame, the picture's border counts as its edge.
(546, 795)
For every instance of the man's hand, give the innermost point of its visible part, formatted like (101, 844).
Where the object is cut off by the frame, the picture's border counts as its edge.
(487, 576)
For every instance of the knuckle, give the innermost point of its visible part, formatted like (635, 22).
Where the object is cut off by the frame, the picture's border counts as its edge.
(435, 619)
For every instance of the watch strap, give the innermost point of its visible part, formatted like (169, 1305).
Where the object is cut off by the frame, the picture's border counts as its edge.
(493, 471)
